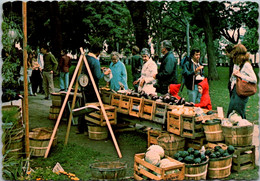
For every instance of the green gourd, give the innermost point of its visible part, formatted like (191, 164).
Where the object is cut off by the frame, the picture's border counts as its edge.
(197, 160)
(231, 149)
(196, 153)
(207, 152)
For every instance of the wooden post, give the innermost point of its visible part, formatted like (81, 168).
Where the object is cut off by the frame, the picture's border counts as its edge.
(73, 104)
(25, 101)
(101, 104)
(63, 107)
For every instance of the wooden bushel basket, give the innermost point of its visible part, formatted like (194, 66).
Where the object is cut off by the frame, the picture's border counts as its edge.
(96, 132)
(220, 167)
(213, 131)
(108, 170)
(56, 99)
(171, 143)
(39, 141)
(238, 136)
(196, 171)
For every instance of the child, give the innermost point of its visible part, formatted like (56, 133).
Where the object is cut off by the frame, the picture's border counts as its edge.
(173, 89)
(205, 102)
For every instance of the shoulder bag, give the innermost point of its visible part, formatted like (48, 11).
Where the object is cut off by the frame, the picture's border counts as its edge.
(244, 88)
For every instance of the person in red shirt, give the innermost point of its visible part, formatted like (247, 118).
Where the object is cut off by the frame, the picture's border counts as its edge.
(205, 102)
(64, 64)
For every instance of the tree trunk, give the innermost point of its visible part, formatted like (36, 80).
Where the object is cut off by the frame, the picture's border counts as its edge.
(212, 70)
(56, 31)
(138, 14)
(188, 37)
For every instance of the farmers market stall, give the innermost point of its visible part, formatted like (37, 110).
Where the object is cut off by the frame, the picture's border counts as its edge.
(196, 143)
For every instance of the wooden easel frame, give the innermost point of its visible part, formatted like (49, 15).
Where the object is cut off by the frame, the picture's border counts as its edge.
(78, 72)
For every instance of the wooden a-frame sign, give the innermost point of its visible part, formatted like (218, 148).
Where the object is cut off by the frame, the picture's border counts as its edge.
(77, 72)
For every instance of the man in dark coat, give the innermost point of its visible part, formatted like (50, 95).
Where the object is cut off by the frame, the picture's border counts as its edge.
(89, 91)
(167, 73)
(193, 74)
(137, 63)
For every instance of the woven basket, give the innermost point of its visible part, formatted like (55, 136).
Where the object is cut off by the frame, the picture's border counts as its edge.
(96, 132)
(39, 141)
(220, 167)
(238, 136)
(196, 171)
(171, 143)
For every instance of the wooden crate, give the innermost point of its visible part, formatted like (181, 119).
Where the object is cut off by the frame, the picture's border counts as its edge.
(106, 97)
(190, 128)
(156, 173)
(147, 109)
(97, 117)
(160, 112)
(135, 106)
(207, 117)
(124, 104)
(243, 158)
(195, 143)
(152, 136)
(173, 123)
(115, 99)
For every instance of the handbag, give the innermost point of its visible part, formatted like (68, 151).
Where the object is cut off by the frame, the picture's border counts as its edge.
(244, 88)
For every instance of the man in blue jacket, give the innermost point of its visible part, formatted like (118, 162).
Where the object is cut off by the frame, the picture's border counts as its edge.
(167, 73)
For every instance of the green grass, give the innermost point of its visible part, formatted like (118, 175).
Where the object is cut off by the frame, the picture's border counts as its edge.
(244, 175)
(73, 158)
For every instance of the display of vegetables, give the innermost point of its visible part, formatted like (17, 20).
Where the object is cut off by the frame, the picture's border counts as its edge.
(191, 156)
(157, 149)
(183, 110)
(152, 157)
(218, 152)
(155, 156)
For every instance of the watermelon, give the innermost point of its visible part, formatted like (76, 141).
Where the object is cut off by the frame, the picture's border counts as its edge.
(231, 149)
(196, 153)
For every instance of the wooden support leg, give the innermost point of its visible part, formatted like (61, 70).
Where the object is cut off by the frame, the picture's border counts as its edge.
(101, 105)
(63, 107)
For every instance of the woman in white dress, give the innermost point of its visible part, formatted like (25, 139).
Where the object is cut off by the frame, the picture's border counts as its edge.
(146, 81)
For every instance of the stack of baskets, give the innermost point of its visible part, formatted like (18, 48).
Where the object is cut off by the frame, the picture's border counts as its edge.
(56, 106)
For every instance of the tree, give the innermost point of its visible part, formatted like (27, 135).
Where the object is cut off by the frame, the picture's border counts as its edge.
(213, 75)
(250, 41)
(139, 19)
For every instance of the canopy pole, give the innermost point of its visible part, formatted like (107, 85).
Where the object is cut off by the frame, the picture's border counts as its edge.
(25, 101)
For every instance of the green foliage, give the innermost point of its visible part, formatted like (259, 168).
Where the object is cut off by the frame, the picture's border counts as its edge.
(10, 115)
(250, 40)
(12, 168)
(11, 33)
